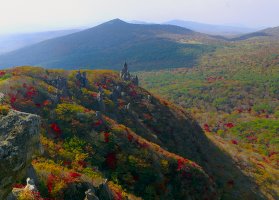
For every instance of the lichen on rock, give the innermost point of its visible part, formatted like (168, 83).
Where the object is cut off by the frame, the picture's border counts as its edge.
(19, 141)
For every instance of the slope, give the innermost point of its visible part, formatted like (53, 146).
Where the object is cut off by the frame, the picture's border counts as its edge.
(266, 34)
(107, 45)
(90, 134)
(233, 94)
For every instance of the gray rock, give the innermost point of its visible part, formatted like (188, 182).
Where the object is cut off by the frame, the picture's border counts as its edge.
(90, 195)
(19, 140)
(128, 106)
(104, 192)
(1, 97)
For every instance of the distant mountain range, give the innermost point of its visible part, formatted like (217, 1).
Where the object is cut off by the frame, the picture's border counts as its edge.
(11, 42)
(108, 45)
(270, 33)
(212, 29)
(143, 46)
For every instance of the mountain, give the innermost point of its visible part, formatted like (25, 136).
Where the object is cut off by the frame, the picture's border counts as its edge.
(272, 31)
(267, 34)
(109, 44)
(16, 41)
(100, 131)
(211, 29)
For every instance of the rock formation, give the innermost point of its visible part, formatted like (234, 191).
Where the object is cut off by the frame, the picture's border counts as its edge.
(19, 140)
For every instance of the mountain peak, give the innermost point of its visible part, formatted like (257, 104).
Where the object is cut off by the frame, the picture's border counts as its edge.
(116, 21)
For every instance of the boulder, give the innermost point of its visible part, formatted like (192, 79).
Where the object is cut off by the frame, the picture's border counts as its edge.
(19, 141)
(1, 97)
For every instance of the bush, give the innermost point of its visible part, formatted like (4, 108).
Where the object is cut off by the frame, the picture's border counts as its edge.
(4, 109)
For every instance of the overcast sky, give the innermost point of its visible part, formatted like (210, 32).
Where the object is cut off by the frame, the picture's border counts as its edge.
(40, 15)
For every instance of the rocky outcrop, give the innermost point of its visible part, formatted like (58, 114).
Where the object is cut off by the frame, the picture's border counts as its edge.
(19, 140)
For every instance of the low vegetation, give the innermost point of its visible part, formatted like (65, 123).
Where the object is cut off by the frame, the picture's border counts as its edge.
(234, 94)
(83, 145)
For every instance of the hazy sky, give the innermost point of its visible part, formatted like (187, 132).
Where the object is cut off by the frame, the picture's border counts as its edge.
(38, 15)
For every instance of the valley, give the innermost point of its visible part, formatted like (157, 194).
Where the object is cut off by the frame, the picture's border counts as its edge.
(192, 116)
(234, 95)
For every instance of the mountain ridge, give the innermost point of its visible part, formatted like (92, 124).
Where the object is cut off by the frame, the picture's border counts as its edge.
(224, 30)
(145, 46)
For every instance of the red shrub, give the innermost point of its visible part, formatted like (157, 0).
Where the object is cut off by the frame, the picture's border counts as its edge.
(67, 163)
(180, 164)
(46, 103)
(106, 135)
(82, 163)
(31, 92)
(206, 127)
(239, 110)
(118, 196)
(130, 137)
(56, 129)
(111, 160)
(229, 125)
(12, 99)
(17, 185)
(272, 153)
(50, 182)
(2, 73)
(252, 138)
(230, 183)
(234, 142)
(98, 123)
(94, 95)
(261, 165)
(86, 110)
(74, 175)
(266, 160)
(143, 145)
(38, 105)
(133, 93)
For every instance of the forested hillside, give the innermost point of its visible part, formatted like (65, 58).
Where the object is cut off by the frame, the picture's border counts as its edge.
(234, 94)
(93, 137)
(150, 46)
